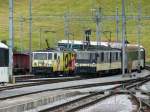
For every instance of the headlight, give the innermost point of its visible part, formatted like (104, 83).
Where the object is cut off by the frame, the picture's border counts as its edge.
(76, 64)
(35, 64)
(48, 65)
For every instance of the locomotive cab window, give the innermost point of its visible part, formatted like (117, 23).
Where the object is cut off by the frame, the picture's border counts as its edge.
(40, 56)
(55, 56)
(49, 56)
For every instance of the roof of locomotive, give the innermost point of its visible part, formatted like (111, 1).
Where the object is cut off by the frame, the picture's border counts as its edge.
(79, 42)
(2, 45)
(100, 48)
(116, 45)
(54, 50)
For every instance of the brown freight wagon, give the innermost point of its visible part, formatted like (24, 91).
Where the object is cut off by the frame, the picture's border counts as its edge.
(21, 63)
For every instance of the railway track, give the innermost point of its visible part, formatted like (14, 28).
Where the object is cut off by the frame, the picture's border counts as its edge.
(42, 82)
(37, 82)
(96, 97)
(102, 98)
(147, 67)
(122, 85)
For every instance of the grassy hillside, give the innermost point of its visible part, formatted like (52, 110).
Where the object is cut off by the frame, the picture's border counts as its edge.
(48, 15)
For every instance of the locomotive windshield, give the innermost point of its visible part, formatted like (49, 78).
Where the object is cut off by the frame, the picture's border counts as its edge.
(40, 56)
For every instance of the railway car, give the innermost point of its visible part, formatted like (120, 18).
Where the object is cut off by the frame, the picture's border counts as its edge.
(53, 62)
(4, 62)
(95, 63)
(21, 63)
(132, 58)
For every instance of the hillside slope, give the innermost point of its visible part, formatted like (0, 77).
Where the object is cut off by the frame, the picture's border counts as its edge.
(48, 15)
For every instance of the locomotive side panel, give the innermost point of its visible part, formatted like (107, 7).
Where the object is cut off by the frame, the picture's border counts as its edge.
(115, 60)
(103, 62)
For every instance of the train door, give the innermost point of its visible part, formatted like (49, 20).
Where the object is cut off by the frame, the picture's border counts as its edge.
(65, 61)
(59, 62)
(69, 61)
(72, 61)
(55, 62)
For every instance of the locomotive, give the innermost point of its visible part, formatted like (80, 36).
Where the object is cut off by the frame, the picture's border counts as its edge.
(101, 62)
(96, 62)
(53, 62)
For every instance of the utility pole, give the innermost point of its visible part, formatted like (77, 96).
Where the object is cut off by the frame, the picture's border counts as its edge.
(66, 28)
(139, 34)
(123, 37)
(117, 26)
(30, 33)
(11, 38)
(21, 33)
(98, 39)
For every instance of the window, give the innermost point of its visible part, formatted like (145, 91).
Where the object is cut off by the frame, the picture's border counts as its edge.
(110, 57)
(102, 57)
(40, 56)
(4, 57)
(49, 56)
(55, 56)
(113, 56)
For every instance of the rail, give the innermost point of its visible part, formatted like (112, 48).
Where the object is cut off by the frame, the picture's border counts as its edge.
(94, 98)
(123, 84)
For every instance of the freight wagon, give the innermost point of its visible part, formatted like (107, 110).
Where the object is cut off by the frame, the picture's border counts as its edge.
(21, 63)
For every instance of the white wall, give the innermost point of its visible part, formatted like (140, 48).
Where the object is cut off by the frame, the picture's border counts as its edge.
(4, 76)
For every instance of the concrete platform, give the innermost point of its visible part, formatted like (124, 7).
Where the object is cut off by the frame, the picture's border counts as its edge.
(26, 90)
(33, 101)
(40, 101)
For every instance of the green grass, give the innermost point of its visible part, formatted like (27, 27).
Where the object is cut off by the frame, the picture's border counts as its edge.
(148, 63)
(74, 7)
